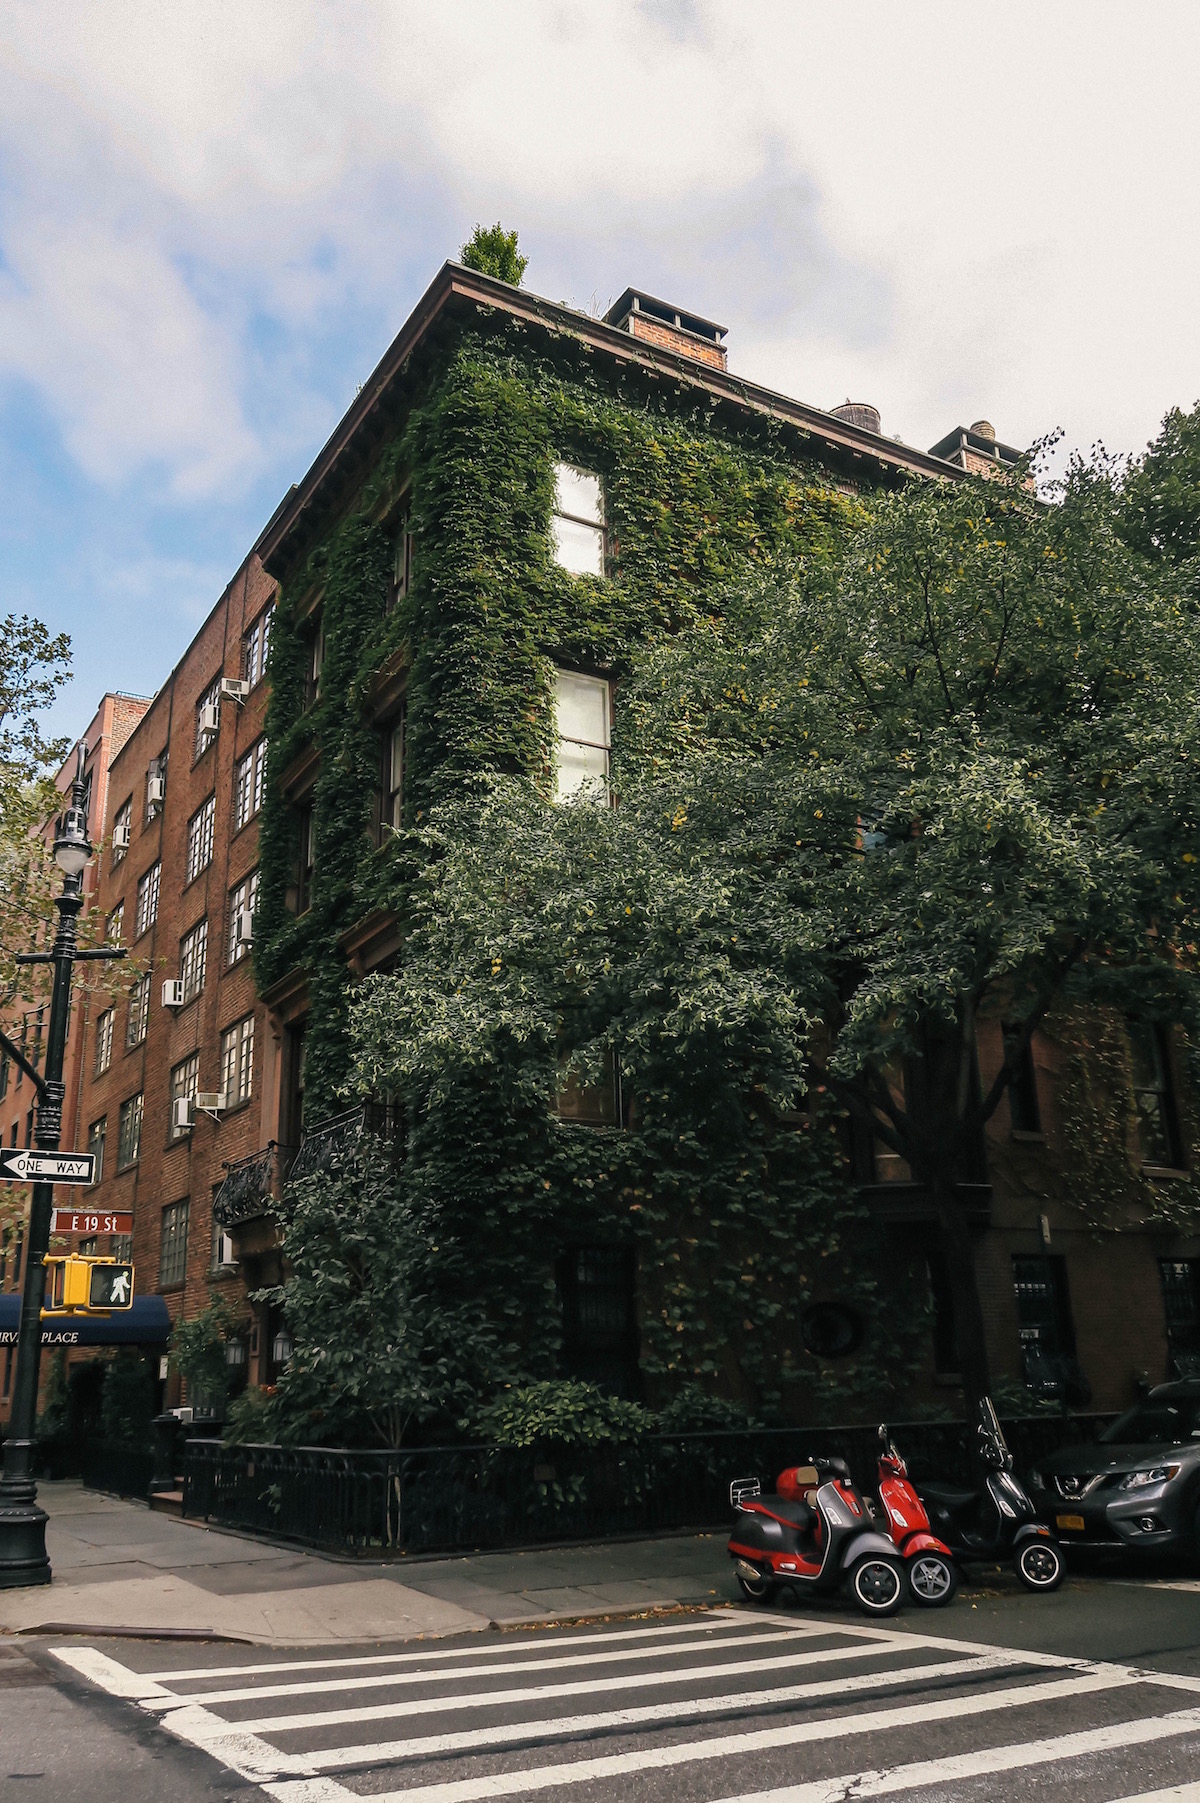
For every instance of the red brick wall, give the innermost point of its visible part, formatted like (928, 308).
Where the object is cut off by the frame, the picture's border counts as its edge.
(169, 1170)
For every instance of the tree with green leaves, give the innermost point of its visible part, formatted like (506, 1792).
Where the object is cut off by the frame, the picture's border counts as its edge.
(948, 774)
(383, 1336)
(34, 664)
(493, 251)
(1160, 495)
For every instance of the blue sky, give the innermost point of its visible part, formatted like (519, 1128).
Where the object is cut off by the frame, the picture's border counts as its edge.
(214, 217)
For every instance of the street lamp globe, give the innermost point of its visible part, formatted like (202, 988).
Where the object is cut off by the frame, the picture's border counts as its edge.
(72, 848)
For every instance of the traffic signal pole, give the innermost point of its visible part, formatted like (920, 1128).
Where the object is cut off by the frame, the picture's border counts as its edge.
(23, 1556)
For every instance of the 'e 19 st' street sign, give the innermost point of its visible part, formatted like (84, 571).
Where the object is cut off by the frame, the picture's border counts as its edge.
(47, 1167)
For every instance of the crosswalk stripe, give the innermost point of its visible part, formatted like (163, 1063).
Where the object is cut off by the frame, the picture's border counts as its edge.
(540, 1693)
(1175, 1793)
(248, 1693)
(714, 1622)
(643, 1759)
(961, 1766)
(557, 1727)
(488, 1699)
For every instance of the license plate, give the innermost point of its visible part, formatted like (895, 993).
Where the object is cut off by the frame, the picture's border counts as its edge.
(1071, 1524)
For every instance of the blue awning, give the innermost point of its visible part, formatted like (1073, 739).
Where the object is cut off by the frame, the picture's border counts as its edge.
(147, 1323)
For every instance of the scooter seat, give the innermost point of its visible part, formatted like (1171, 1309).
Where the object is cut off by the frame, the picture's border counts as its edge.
(799, 1514)
(949, 1499)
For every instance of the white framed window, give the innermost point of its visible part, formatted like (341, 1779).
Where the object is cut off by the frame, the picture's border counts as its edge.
(243, 899)
(139, 1013)
(193, 959)
(210, 698)
(200, 839)
(577, 526)
(129, 1132)
(156, 785)
(116, 925)
(237, 1061)
(255, 645)
(122, 827)
(104, 1041)
(97, 1133)
(393, 773)
(249, 779)
(402, 553)
(185, 1081)
(172, 1250)
(582, 707)
(316, 658)
(147, 900)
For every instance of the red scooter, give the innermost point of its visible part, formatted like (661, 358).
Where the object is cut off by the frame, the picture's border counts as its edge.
(814, 1535)
(932, 1578)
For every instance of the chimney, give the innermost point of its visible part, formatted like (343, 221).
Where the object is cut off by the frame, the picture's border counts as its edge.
(858, 413)
(672, 330)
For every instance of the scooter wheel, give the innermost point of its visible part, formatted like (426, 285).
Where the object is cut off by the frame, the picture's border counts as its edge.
(877, 1585)
(932, 1580)
(1040, 1565)
(759, 1590)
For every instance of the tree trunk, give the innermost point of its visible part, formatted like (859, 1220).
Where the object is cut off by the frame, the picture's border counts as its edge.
(959, 1247)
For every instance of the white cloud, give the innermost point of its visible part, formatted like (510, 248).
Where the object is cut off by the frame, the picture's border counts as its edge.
(947, 210)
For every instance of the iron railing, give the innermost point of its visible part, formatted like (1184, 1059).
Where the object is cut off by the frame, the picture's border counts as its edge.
(448, 1498)
(252, 1185)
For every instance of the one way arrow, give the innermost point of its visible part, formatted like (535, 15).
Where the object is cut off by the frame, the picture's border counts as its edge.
(28, 1166)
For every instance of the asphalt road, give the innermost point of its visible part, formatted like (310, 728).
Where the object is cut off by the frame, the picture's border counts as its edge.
(1091, 1694)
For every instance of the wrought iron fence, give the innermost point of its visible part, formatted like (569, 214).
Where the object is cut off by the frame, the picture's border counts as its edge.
(448, 1498)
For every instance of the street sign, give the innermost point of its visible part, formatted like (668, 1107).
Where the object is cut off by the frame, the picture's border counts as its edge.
(47, 1167)
(84, 1220)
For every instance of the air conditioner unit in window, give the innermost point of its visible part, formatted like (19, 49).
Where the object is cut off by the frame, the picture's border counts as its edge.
(233, 688)
(156, 789)
(121, 836)
(210, 718)
(172, 993)
(211, 1102)
(243, 927)
(181, 1114)
(224, 1256)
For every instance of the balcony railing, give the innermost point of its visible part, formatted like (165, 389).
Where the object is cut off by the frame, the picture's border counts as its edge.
(327, 1144)
(252, 1186)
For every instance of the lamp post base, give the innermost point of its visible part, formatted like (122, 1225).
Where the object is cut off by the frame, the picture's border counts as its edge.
(23, 1557)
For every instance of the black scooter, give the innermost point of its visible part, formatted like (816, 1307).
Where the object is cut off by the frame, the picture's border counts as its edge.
(814, 1535)
(998, 1522)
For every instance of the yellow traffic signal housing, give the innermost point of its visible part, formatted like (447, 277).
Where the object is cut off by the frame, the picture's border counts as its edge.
(87, 1285)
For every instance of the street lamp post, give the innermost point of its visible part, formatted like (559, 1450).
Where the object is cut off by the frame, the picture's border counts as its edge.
(23, 1556)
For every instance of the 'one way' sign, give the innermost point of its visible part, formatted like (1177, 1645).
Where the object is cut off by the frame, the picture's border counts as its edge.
(47, 1167)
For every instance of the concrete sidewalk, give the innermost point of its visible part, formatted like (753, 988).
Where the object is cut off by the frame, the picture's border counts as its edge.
(117, 1565)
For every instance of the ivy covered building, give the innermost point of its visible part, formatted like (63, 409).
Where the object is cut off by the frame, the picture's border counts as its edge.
(519, 497)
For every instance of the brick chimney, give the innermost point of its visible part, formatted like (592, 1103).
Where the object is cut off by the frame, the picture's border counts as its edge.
(658, 322)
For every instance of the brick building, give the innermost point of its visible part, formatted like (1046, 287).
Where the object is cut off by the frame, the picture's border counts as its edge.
(115, 718)
(173, 1073)
(196, 1088)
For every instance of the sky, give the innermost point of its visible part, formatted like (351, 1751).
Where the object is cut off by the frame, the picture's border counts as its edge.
(215, 217)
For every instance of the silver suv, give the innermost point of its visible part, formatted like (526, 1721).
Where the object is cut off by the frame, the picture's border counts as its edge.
(1138, 1487)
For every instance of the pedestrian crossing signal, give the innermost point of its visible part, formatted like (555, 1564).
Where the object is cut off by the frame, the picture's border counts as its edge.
(87, 1285)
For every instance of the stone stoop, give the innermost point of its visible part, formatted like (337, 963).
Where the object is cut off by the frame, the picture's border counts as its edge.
(167, 1502)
